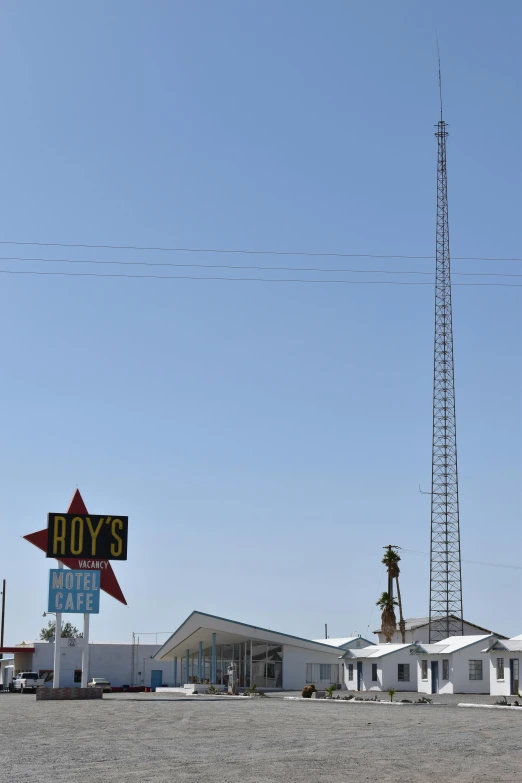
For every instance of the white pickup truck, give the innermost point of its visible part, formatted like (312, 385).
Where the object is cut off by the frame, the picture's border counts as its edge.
(27, 681)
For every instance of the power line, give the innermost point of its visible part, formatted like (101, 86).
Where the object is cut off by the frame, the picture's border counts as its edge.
(248, 252)
(247, 279)
(259, 268)
(474, 562)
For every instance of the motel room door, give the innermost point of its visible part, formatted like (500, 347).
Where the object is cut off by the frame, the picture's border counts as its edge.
(514, 675)
(434, 676)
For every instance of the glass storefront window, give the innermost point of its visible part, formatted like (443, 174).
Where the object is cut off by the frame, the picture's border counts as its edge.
(257, 662)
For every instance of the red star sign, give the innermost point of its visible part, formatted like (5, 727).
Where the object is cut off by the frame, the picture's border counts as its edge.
(108, 581)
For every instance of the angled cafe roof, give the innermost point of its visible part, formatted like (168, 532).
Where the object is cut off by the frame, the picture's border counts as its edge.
(199, 627)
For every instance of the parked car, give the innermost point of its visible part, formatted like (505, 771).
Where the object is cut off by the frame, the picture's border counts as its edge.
(100, 682)
(27, 681)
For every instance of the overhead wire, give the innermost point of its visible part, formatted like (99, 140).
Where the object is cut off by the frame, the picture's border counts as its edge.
(251, 267)
(245, 279)
(304, 253)
(473, 562)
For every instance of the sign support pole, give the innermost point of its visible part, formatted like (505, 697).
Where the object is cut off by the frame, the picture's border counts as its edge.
(85, 654)
(57, 645)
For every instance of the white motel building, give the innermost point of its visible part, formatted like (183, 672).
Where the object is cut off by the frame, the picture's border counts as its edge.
(204, 646)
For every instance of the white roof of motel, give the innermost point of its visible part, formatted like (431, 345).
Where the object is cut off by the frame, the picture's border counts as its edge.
(516, 638)
(376, 650)
(451, 644)
(455, 643)
(510, 645)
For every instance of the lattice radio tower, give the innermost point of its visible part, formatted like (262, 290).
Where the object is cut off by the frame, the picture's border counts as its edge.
(445, 565)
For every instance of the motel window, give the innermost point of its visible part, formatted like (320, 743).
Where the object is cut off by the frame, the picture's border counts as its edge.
(374, 672)
(424, 670)
(500, 668)
(475, 670)
(322, 673)
(403, 672)
(445, 669)
(350, 672)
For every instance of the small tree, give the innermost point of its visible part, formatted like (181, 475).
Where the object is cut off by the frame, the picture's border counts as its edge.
(68, 631)
(388, 620)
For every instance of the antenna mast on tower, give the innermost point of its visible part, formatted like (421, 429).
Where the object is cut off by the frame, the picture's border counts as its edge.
(446, 617)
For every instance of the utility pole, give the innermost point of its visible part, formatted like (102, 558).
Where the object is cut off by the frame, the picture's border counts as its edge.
(446, 618)
(3, 618)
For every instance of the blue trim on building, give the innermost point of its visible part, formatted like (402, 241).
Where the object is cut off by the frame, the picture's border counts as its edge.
(213, 673)
(200, 662)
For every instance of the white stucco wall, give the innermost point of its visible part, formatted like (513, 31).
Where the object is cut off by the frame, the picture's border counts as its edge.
(387, 672)
(425, 686)
(390, 671)
(502, 687)
(459, 681)
(460, 674)
(367, 683)
(295, 660)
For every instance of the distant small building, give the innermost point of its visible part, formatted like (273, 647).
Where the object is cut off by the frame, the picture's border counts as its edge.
(504, 658)
(454, 665)
(121, 664)
(380, 667)
(346, 642)
(418, 630)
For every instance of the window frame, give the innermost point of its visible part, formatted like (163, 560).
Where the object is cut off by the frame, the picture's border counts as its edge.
(445, 669)
(350, 672)
(501, 667)
(424, 670)
(405, 670)
(375, 673)
(474, 667)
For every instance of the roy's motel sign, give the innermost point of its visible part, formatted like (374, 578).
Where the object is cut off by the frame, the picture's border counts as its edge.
(87, 536)
(74, 592)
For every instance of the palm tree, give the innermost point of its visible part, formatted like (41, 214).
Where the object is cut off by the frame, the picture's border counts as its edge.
(386, 604)
(391, 561)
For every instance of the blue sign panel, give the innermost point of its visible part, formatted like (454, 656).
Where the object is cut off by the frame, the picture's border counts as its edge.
(74, 592)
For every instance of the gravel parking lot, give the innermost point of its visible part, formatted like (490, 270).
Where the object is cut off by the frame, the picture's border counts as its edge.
(156, 738)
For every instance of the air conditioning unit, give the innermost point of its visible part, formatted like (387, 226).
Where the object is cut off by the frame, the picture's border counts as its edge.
(339, 686)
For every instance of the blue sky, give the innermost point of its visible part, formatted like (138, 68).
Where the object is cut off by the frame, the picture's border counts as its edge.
(265, 440)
